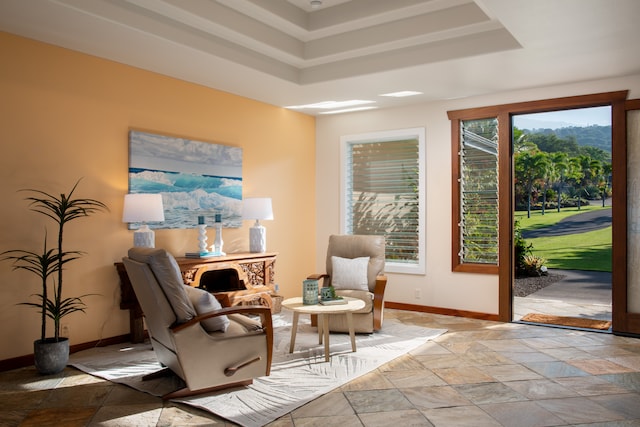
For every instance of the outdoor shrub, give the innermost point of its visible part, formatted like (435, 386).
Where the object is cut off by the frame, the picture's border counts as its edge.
(534, 266)
(522, 249)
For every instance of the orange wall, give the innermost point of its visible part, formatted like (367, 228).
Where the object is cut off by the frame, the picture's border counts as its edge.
(65, 115)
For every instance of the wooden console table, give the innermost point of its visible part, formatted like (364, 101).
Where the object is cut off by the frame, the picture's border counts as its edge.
(256, 271)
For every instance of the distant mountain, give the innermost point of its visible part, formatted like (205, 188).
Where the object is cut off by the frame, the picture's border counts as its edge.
(590, 136)
(522, 122)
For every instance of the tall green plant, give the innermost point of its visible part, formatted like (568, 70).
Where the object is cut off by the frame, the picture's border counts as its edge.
(521, 248)
(43, 265)
(51, 262)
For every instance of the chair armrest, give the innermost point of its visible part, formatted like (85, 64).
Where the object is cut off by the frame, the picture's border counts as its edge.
(263, 312)
(381, 284)
(378, 301)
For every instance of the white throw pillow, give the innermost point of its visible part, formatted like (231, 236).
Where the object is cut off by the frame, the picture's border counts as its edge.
(204, 302)
(349, 273)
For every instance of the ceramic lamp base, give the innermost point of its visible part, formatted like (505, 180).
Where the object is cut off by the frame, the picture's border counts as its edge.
(144, 237)
(257, 239)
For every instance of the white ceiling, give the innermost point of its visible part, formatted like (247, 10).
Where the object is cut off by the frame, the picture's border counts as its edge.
(284, 52)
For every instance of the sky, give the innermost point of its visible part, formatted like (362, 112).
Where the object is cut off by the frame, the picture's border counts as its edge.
(579, 117)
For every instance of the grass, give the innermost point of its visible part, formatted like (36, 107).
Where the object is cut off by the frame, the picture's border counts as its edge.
(582, 251)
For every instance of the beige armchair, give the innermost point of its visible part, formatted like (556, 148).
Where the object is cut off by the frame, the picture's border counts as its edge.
(355, 268)
(209, 347)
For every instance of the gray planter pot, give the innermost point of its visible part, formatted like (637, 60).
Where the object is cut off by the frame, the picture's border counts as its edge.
(50, 356)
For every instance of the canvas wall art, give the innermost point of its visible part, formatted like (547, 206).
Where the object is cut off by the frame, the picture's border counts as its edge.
(195, 178)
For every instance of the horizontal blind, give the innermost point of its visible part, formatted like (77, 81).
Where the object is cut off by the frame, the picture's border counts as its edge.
(479, 191)
(382, 195)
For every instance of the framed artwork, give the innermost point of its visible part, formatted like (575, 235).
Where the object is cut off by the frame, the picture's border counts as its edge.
(195, 178)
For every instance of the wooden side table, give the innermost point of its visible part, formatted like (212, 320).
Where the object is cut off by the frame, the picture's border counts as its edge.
(323, 312)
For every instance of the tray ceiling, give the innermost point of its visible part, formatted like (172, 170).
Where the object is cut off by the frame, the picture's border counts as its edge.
(285, 52)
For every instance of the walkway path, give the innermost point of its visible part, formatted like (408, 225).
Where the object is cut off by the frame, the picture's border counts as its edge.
(579, 223)
(579, 294)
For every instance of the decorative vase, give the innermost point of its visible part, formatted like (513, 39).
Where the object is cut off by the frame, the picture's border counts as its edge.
(309, 291)
(202, 235)
(217, 243)
(51, 356)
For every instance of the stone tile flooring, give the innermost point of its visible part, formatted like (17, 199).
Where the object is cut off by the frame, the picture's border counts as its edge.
(479, 373)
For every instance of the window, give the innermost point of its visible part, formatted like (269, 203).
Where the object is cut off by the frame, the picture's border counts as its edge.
(479, 161)
(383, 193)
(478, 216)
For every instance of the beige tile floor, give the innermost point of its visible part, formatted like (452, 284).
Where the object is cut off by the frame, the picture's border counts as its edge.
(479, 373)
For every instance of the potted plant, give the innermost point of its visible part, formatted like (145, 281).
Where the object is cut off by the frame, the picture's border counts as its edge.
(51, 354)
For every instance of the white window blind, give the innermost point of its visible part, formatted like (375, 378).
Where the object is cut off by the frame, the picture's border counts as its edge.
(383, 195)
(479, 191)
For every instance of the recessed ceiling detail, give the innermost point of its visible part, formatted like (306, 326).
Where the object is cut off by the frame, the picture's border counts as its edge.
(278, 38)
(286, 52)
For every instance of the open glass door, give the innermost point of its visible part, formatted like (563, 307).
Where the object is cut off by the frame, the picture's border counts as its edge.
(563, 217)
(626, 290)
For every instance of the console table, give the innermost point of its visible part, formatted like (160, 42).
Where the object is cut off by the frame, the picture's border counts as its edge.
(255, 271)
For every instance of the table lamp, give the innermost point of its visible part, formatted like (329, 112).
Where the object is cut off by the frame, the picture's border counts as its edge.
(143, 208)
(257, 208)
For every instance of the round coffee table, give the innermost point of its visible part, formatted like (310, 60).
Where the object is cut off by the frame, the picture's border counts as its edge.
(323, 312)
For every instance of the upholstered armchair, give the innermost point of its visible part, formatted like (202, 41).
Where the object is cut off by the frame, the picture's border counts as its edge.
(208, 346)
(355, 268)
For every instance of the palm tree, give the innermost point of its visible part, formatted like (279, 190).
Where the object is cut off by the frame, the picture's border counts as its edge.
(548, 174)
(530, 166)
(589, 171)
(605, 182)
(560, 161)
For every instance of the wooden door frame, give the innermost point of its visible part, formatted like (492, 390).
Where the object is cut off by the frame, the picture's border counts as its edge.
(506, 249)
(624, 323)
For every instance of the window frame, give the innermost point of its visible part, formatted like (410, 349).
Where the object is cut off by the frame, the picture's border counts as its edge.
(381, 137)
(457, 117)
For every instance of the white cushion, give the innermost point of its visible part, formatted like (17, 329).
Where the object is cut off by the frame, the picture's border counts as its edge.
(349, 273)
(204, 302)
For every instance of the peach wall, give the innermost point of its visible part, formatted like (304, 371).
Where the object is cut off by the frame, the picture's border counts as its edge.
(66, 115)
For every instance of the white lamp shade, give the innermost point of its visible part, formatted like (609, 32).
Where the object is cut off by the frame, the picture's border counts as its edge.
(142, 208)
(257, 208)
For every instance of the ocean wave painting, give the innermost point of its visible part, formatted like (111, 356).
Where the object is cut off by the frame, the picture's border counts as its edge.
(195, 179)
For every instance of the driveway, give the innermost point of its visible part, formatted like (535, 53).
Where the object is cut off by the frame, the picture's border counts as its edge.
(579, 223)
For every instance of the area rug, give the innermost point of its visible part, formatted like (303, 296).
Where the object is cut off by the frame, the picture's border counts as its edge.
(296, 378)
(574, 322)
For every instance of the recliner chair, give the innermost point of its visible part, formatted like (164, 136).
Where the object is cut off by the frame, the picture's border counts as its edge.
(357, 272)
(209, 347)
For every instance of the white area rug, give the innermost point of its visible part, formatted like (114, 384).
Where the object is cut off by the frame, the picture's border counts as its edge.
(295, 378)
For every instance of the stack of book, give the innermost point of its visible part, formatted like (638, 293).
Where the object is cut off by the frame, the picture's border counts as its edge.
(202, 254)
(334, 301)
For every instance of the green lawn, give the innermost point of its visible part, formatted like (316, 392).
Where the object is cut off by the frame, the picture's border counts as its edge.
(583, 251)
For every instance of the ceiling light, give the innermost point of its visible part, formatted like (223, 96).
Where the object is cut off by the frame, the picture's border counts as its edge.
(327, 105)
(402, 94)
(348, 110)
(315, 4)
